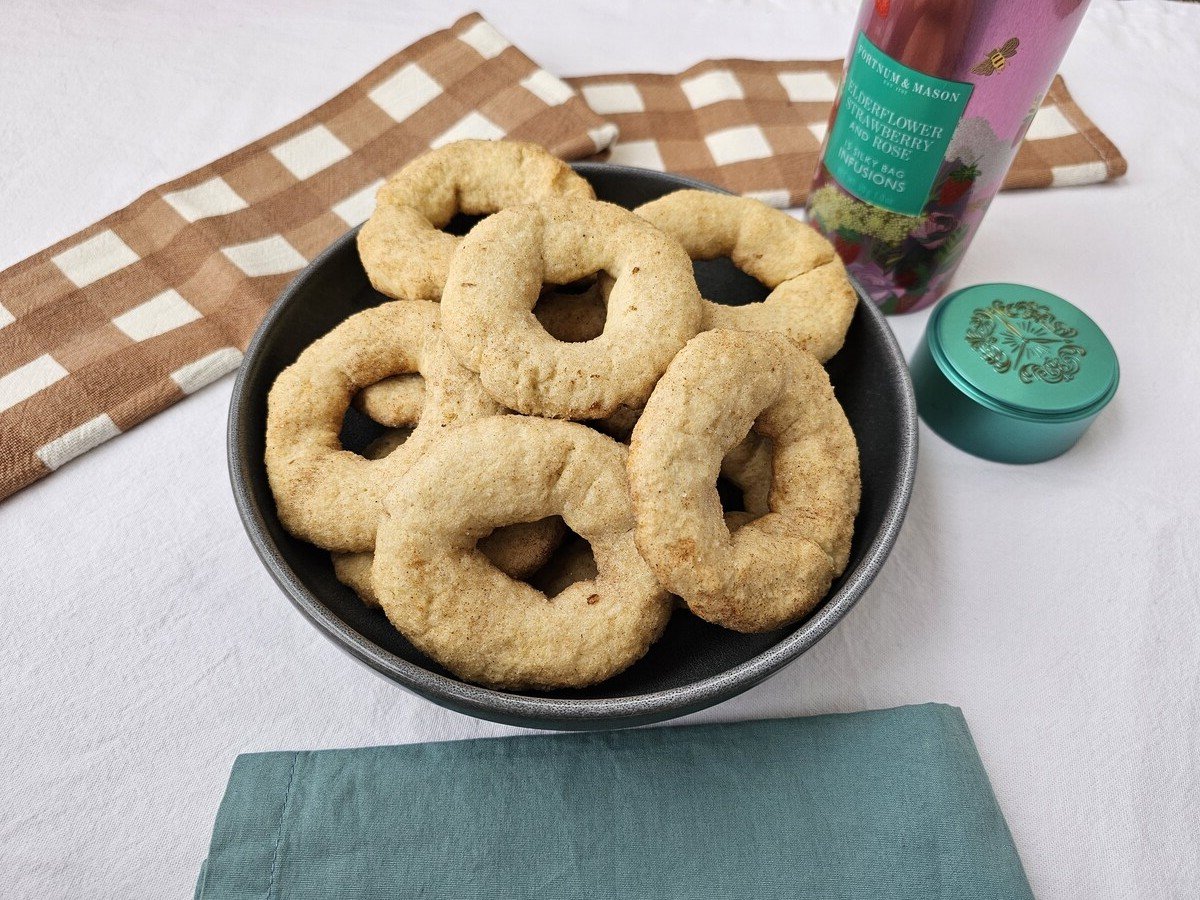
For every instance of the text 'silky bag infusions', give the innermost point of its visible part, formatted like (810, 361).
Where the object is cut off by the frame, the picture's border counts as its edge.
(935, 99)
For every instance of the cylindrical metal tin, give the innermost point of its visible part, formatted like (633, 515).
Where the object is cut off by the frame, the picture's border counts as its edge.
(1012, 373)
(934, 101)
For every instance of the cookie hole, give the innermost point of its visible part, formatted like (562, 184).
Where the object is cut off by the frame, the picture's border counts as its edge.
(461, 223)
(582, 286)
(358, 431)
(521, 550)
(573, 313)
(571, 563)
(744, 484)
(732, 498)
(721, 281)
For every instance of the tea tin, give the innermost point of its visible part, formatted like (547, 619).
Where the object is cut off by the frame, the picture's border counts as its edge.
(935, 98)
(1012, 373)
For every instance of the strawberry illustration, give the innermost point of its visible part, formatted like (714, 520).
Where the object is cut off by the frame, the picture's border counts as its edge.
(883, 7)
(847, 249)
(957, 184)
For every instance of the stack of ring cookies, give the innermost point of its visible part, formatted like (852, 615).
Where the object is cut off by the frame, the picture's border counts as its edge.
(557, 404)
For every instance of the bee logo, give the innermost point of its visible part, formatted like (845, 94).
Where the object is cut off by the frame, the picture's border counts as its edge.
(997, 59)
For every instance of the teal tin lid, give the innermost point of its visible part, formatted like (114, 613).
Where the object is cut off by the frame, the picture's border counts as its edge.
(1012, 373)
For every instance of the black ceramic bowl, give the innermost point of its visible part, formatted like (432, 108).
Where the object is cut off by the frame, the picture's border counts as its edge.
(694, 665)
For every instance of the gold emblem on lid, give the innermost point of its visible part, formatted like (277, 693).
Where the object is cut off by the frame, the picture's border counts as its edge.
(1025, 337)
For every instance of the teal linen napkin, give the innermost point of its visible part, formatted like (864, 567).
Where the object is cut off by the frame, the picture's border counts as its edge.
(885, 804)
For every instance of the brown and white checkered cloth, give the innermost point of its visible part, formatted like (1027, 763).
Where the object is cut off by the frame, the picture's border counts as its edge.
(113, 324)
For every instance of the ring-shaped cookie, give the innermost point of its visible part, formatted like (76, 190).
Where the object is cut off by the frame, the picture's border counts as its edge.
(330, 496)
(773, 570)
(811, 299)
(494, 283)
(324, 494)
(517, 550)
(460, 610)
(403, 248)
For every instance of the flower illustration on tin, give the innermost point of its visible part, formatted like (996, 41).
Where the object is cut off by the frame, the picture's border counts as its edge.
(976, 146)
(1025, 337)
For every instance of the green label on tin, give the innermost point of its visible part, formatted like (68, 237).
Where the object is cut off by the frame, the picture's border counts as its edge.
(892, 130)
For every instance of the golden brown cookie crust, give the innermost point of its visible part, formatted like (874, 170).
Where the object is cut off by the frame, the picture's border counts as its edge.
(395, 402)
(811, 299)
(403, 249)
(575, 317)
(456, 607)
(330, 496)
(517, 550)
(324, 494)
(748, 465)
(772, 571)
(494, 283)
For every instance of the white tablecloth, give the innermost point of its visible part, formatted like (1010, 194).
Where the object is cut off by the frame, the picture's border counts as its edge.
(144, 646)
